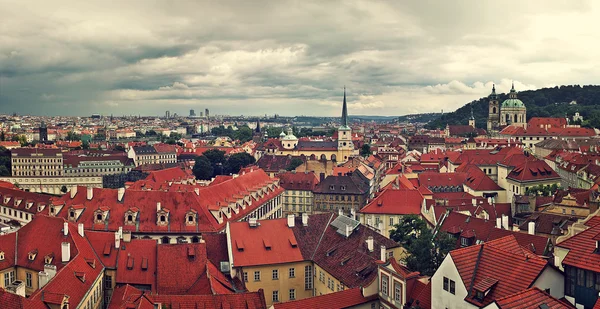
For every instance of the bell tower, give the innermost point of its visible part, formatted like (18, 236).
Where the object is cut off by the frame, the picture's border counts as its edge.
(494, 111)
(345, 146)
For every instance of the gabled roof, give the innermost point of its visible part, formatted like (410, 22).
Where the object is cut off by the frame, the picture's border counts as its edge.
(477, 180)
(396, 201)
(582, 247)
(531, 298)
(137, 263)
(512, 267)
(298, 181)
(531, 171)
(432, 179)
(346, 184)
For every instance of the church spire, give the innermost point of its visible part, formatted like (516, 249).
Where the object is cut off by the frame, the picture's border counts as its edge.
(472, 112)
(344, 111)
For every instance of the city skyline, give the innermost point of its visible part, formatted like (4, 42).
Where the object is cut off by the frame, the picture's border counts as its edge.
(289, 58)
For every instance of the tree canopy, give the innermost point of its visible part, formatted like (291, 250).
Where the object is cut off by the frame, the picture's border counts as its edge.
(294, 163)
(235, 162)
(203, 168)
(545, 102)
(425, 251)
(365, 150)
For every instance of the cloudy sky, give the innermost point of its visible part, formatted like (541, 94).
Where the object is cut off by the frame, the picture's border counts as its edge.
(286, 57)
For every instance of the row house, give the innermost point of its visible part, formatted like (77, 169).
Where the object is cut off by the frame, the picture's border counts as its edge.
(340, 192)
(93, 164)
(155, 154)
(181, 213)
(18, 207)
(298, 194)
(35, 162)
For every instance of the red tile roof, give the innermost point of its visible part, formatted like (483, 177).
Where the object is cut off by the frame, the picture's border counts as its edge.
(421, 294)
(486, 231)
(271, 242)
(582, 247)
(514, 268)
(530, 171)
(477, 180)
(431, 179)
(342, 299)
(531, 298)
(130, 258)
(395, 201)
(298, 181)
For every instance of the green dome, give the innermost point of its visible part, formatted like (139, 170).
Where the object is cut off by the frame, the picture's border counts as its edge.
(512, 103)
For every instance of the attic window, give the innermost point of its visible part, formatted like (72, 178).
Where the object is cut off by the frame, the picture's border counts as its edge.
(163, 218)
(91, 262)
(129, 262)
(32, 255)
(144, 263)
(267, 244)
(332, 187)
(1, 255)
(80, 275)
(48, 259)
(343, 188)
(99, 217)
(293, 243)
(72, 214)
(479, 295)
(129, 218)
(191, 253)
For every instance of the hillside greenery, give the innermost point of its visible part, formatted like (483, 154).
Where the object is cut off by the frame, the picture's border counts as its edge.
(545, 102)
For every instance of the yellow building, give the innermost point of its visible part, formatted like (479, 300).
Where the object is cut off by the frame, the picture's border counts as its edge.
(281, 256)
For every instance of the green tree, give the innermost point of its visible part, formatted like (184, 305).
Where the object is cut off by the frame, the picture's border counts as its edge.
(203, 168)
(294, 164)
(119, 148)
(215, 156)
(85, 145)
(365, 150)
(4, 171)
(425, 251)
(72, 136)
(243, 134)
(236, 161)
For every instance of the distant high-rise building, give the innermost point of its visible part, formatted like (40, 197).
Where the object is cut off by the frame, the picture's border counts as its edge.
(201, 114)
(167, 114)
(206, 113)
(43, 132)
(192, 113)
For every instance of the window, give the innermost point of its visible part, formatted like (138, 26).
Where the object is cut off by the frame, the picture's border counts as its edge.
(464, 242)
(330, 284)
(321, 276)
(245, 276)
(28, 279)
(275, 274)
(308, 277)
(6, 280)
(397, 291)
(385, 280)
(292, 272)
(257, 276)
(449, 285)
(292, 294)
(275, 296)
(107, 282)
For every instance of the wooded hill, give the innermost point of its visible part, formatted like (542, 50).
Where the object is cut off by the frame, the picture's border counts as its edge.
(545, 102)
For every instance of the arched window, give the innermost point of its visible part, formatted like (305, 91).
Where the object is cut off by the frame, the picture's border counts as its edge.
(163, 218)
(323, 157)
(129, 218)
(494, 110)
(195, 239)
(99, 217)
(507, 118)
(165, 240)
(516, 118)
(190, 218)
(334, 157)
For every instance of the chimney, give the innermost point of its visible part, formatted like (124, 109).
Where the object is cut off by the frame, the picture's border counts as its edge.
(321, 176)
(353, 213)
(531, 228)
(157, 206)
(90, 193)
(291, 220)
(474, 202)
(80, 229)
(73, 191)
(489, 200)
(197, 191)
(498, 222)
(117, 240)
(66, 252)
(505, 222)
(370, 243)
(382, 255)
(120, 193)
(348, 231)
(50, 270)
(127, 236)
(65, 228)
(120, 232)
(340, 212)
(305, 219)
(380, 227)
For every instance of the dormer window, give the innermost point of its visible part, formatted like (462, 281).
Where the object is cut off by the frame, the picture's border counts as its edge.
(1, 255)
(332, 187)
(190, 219)
(99, 217)
(163, 218)
(479, 295)
(48, 259)
(32, 255)
(72, 214)
(130, 218)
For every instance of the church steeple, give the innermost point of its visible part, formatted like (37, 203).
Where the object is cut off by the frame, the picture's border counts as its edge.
(344, 111)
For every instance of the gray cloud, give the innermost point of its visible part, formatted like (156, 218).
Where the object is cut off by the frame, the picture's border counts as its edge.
(287, 57)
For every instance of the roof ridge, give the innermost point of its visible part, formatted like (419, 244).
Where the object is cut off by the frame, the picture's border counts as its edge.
(475, 269)
(321, 238)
